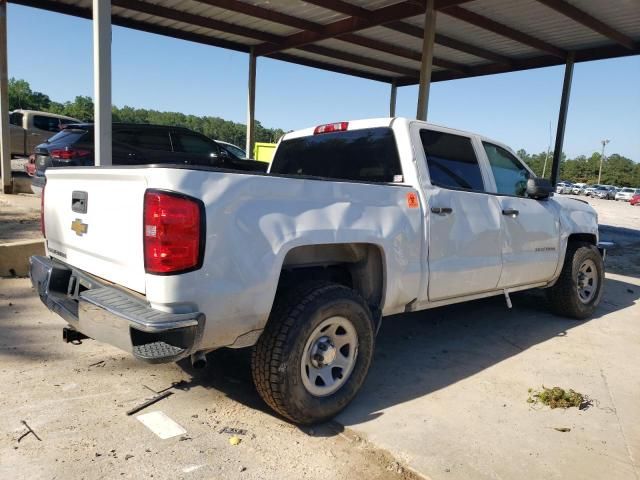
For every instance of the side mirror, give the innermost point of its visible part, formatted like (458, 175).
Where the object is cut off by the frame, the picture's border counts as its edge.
(539, 188)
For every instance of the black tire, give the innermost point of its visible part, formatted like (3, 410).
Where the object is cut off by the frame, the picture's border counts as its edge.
(563, 296)
(276, 359)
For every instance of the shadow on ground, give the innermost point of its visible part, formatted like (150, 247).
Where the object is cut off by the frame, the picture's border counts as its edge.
(416, 354)
(422, 352)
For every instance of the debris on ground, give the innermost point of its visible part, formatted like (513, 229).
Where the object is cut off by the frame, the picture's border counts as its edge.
(395, 467)
(562, 429)
(557, 397)
(151, 401)
(29, 431)
(97, 364)
(235, 440)
(233, 431)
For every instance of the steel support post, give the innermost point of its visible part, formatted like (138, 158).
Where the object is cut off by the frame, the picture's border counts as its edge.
(426, 66)
(392, 99)
(562, 118)
(251, 105)
(5, 135)
(102, 80)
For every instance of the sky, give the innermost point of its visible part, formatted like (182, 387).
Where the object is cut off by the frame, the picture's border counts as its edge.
(53, 52)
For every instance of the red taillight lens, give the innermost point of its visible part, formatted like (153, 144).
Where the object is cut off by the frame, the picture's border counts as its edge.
(68, 153)
(173, 233)
(42, 212)
(331, 127)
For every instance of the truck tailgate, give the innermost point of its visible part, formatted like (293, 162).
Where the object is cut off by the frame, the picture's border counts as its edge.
(93, 221)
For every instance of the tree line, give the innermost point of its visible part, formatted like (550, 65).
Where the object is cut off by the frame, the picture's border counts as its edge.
(21, 96)
(616, 169)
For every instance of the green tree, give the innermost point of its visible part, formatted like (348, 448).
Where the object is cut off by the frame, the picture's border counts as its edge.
(22, 97)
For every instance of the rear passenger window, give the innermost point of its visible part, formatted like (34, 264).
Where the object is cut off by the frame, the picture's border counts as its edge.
(368, 155)
(510, 175)
(451, 161)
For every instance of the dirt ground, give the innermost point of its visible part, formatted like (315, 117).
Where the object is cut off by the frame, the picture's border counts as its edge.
(19, 217)
(446, 397)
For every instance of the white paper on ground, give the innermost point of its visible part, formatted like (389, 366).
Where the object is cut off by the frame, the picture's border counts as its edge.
(160, 424)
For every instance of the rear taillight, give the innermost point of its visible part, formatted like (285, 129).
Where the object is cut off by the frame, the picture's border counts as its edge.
(68, 153)
(331, 127)
(173, 233)
(42, 212)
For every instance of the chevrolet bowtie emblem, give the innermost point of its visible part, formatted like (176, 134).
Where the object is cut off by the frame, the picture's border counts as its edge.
(79, 227)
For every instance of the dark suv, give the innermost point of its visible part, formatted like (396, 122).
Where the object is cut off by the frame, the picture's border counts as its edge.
(136, 144)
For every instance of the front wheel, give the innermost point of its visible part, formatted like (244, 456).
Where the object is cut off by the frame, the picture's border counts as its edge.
(578, 290)
(315, 352)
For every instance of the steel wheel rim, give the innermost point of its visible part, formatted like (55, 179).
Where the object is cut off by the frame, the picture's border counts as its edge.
(587, 281)
(329, 356)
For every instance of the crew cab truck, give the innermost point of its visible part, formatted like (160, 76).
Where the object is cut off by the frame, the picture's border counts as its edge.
(30, 128)
(353, 222)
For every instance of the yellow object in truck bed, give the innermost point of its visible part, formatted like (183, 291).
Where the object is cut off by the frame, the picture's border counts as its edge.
(264, 151)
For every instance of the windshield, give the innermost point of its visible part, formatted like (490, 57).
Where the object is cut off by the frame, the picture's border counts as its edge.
(238, 152)
(368, 155)
(627, 190)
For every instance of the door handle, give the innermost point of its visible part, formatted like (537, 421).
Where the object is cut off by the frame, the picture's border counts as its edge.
(441, 210)
(511, 212)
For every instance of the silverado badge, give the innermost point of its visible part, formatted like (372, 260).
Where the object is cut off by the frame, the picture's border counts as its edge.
(79, 227)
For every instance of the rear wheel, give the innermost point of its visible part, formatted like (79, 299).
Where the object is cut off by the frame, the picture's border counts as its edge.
(578, 290)
(315, 352)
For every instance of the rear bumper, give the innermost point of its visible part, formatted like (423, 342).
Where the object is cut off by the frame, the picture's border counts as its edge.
(111, 315)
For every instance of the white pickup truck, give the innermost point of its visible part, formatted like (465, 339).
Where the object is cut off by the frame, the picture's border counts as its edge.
(354, 221)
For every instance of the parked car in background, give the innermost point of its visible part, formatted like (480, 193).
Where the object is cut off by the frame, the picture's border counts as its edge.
(626, 193)
(589, 190)
(577, 188)
(601, 192)
(635, 200)
(29, 128)
(136, 144)
(564, 187)
(234, 150)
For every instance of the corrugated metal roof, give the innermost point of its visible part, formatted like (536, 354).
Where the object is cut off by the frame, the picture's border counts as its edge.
(356, 37)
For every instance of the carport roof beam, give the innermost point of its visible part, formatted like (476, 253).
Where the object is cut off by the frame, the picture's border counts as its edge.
(587, 20)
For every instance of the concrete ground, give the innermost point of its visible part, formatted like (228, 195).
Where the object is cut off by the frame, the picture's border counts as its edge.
(75, 398)
(446, 396)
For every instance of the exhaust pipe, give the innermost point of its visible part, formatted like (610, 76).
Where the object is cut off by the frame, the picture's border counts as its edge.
(198, 360)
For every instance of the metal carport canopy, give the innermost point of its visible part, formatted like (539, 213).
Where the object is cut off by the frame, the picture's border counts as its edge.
(382, 39)
(385, 40)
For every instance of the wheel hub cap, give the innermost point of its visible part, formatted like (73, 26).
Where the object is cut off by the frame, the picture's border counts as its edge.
(587, 281)
(323, 352)
(329, 356)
